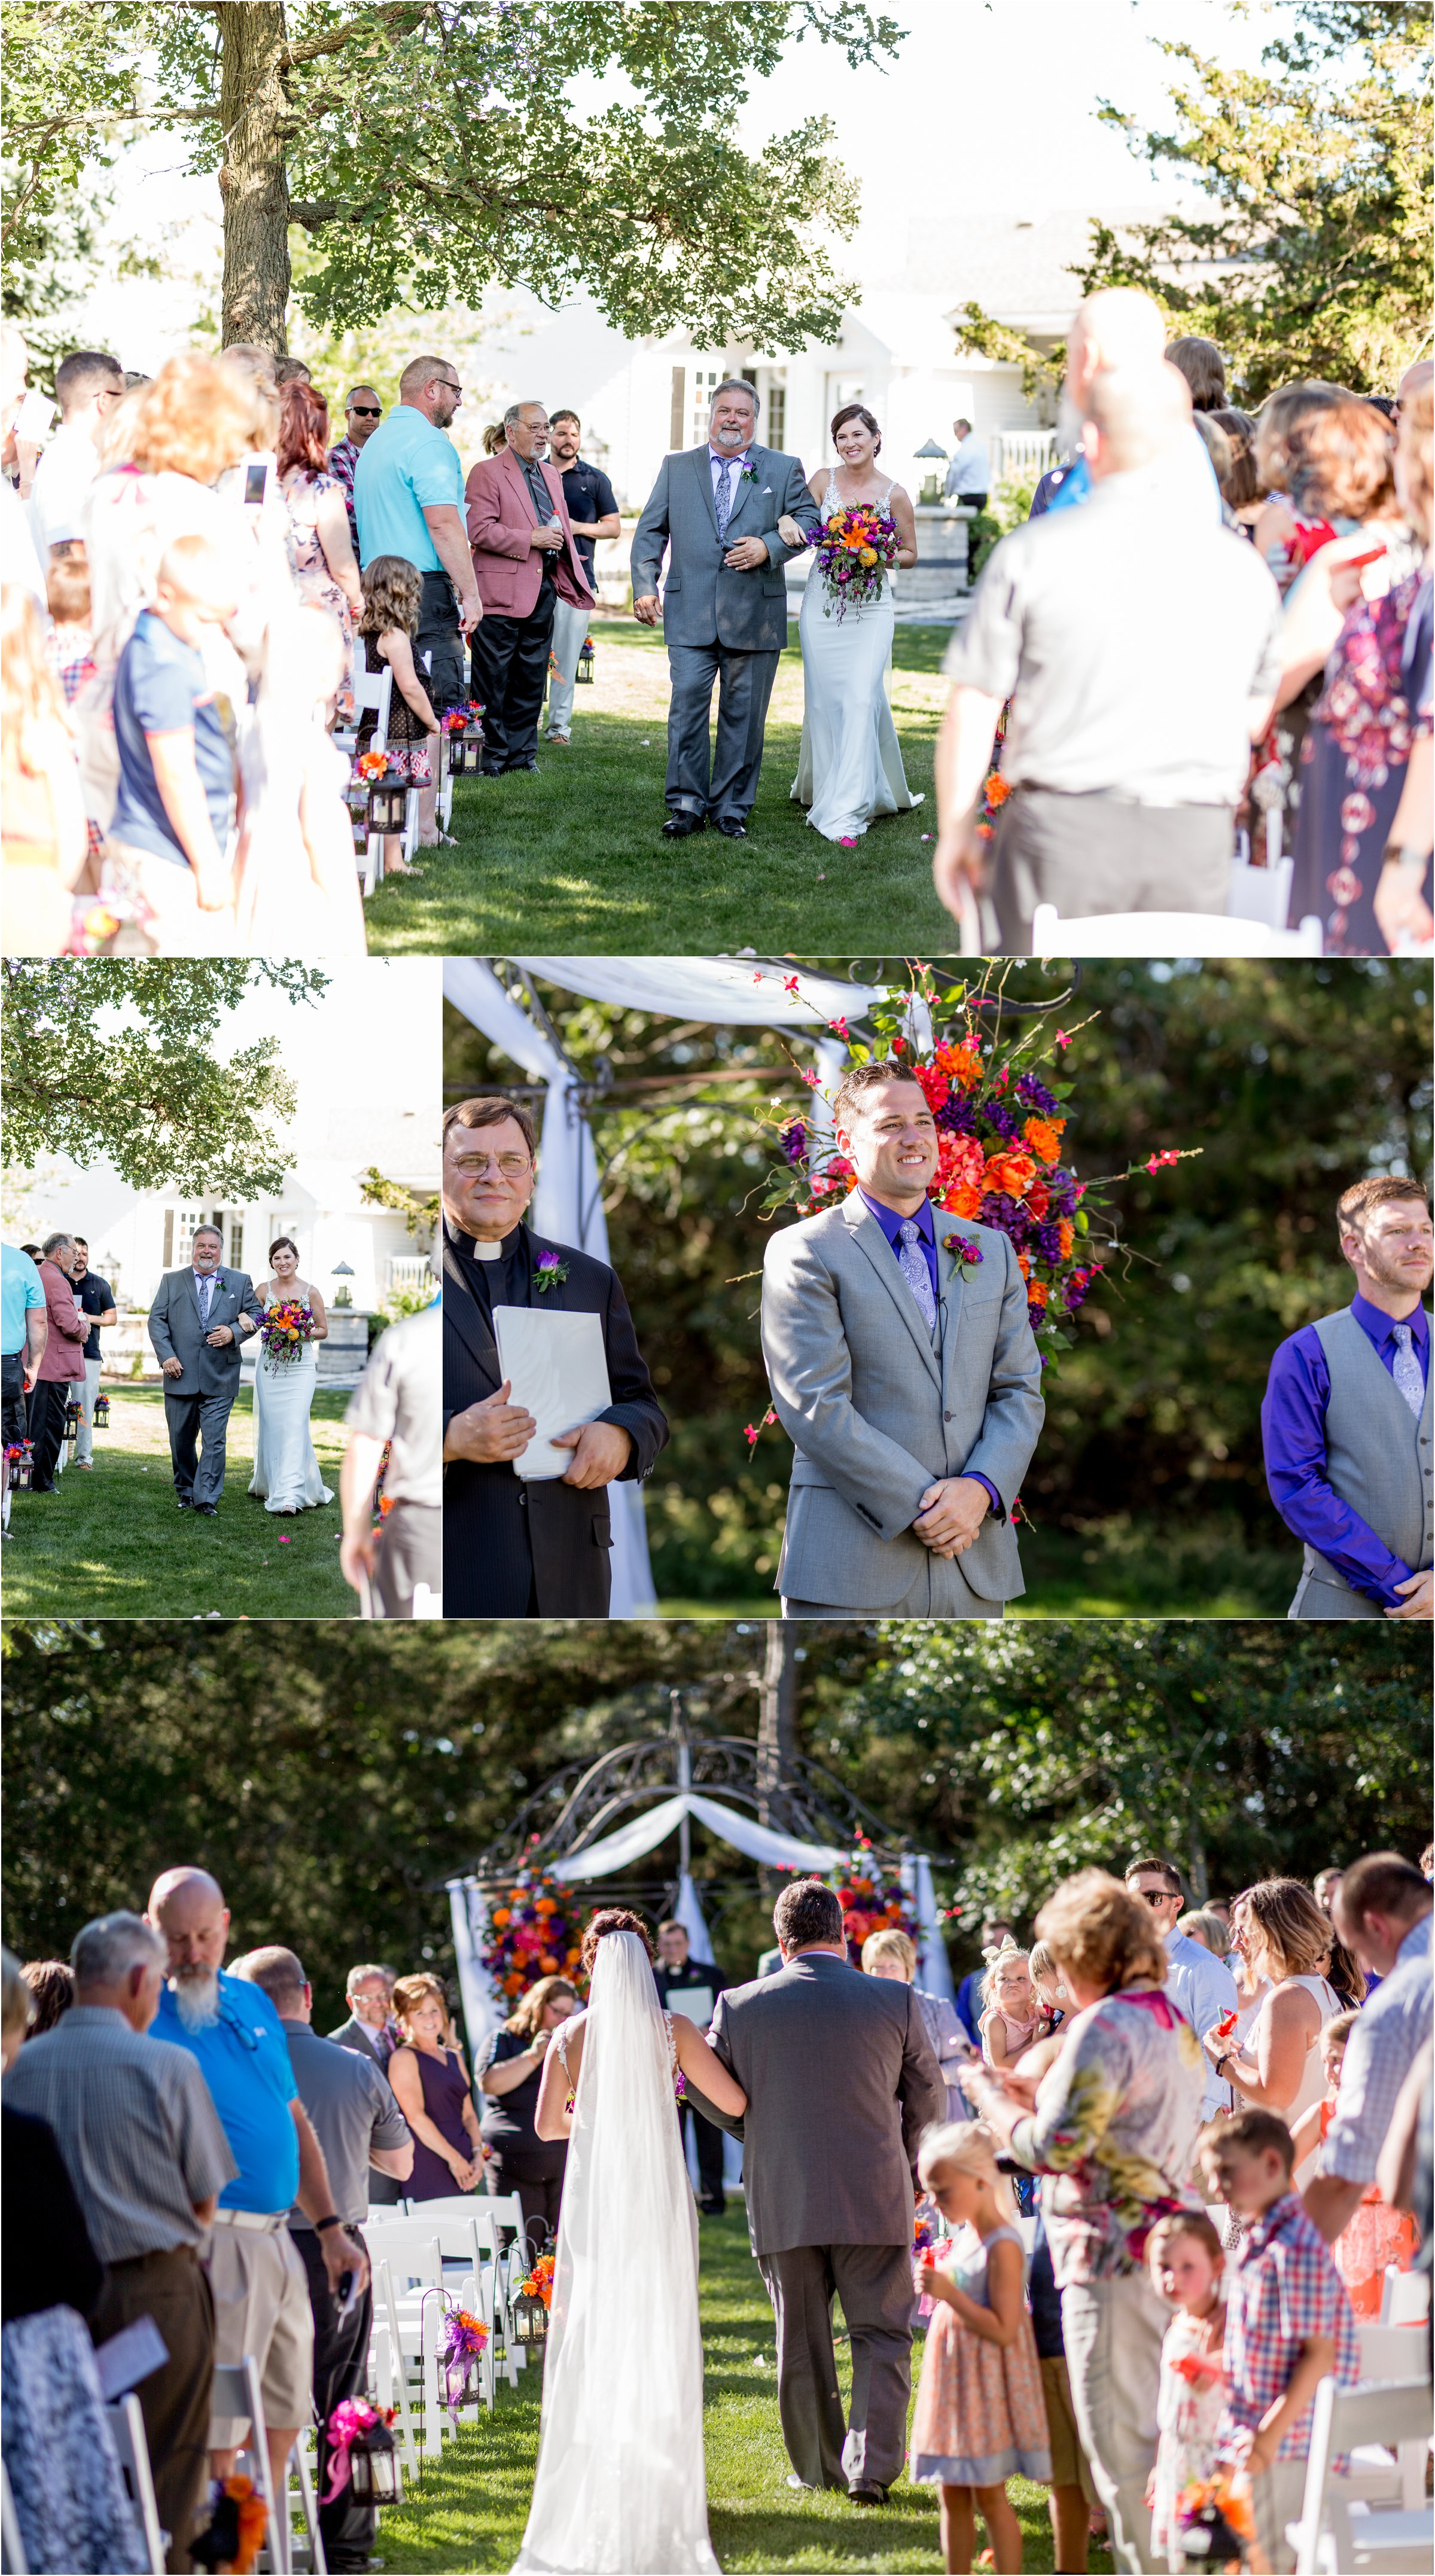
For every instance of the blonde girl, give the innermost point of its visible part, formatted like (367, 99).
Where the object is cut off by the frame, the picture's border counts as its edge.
(980, 2415)
(387, 622)
(1187, 2262)
(1010, 2013)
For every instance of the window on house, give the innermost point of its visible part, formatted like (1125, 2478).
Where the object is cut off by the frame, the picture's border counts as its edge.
(234, 1234)
(675, 414)
(775, 432)
(706, 381)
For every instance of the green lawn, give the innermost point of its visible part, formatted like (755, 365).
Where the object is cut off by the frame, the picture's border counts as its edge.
(572, 858)
(468, 2509)
(112, 1543)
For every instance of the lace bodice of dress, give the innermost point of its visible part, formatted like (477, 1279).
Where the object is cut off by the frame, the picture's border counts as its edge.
(832, 498)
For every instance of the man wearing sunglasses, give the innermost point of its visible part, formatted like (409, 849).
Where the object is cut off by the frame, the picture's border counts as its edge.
(408, 501)
(1200, 1987)
(363, 412)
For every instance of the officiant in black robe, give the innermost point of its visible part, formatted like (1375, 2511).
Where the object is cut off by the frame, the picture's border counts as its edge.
(515, 1548)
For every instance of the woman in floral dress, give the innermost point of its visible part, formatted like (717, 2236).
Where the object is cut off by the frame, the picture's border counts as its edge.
(321, 550)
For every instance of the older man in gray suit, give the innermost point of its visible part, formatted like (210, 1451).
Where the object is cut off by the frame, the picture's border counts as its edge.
(906, 1376)
(197, 1322)
(841, 2082)
(716, 508)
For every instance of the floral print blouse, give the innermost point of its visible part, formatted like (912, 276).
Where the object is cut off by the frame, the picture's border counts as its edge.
(1113, 2132)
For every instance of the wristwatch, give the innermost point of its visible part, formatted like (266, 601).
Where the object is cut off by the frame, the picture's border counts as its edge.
(333, 2220)
(1411, 863)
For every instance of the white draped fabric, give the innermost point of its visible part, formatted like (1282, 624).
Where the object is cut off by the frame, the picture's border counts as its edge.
(617, 1852)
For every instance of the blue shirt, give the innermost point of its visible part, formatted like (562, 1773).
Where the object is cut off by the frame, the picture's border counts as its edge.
(1202, 1987)
(969, 2005)
(407, 467)
(891, 1221)
(244, 2057)
(1293, 1436)
(20, 1288)
(162, 686)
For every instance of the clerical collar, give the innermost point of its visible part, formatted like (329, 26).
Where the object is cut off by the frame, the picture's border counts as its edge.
(486, 1251)
(474, 1250)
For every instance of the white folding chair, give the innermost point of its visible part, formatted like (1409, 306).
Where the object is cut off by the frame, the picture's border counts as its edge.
(1338, 2534)
(413, 2282)
(1260, 894)
(235, 2391)
(126, 2422)
(12, 2548)
(374, 689)
(1404, 2297)
(1167, 934)
(308, 2550)
(1394, 2354)
(387, 2371)
(445, 782)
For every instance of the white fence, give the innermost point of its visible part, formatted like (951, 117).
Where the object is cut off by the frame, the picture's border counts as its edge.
(1021, 453)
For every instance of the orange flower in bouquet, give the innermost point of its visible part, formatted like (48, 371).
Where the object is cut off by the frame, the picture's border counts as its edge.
(1044, 1137)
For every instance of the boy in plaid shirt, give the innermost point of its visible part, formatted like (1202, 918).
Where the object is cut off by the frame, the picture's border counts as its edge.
(1289, 2323)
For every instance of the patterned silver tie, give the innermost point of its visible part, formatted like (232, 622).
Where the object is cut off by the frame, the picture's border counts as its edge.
(915, 1271)
(1407, 1371)
(206, 1291)
(723, 496)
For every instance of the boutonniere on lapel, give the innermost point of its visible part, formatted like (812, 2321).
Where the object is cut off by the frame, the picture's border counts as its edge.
(748, 474)
(962, 1250)
(551, 1271)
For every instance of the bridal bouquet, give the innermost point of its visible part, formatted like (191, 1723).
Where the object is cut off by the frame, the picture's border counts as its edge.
(286, 1329)
(1002, 1108)
(855, 549)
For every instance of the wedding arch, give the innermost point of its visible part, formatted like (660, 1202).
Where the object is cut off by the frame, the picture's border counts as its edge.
(752, 992)
(591, 1822)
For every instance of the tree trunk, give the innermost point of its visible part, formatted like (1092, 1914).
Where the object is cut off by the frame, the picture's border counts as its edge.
(253, 182)
(777, 1714)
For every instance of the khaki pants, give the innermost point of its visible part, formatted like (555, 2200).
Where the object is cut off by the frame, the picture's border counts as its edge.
(174, 2400)
(1276, 2495)
(1113, 2331)
(261, 2307)
(570, 626)
(409, 1551)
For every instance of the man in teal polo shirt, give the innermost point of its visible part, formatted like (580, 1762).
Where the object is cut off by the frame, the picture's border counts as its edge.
(22, 1341)
(259, 2285)
(408, 501)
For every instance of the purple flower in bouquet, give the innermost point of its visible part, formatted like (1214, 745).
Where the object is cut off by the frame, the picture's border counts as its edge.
(1008, 1215)
(1000, 1118)
(957, 1116)
(1034, 1095)
(1048, 1242)
(793, 1140)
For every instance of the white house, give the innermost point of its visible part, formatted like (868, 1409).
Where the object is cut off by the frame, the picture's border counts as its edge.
(899, 350)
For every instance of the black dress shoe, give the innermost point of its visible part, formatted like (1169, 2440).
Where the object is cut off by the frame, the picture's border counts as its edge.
(679, 826)
(731, 830)
(44, 1489)
(713, 2208)
(513, 765)
(867, 2491)
(184, 1502)
(491, 769)
(208, 1511)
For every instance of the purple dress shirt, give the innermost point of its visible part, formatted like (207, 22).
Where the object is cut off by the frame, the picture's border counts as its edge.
(891, 1221)
(1293, 1436)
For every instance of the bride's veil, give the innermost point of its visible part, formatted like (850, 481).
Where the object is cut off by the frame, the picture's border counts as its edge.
(620, 2482)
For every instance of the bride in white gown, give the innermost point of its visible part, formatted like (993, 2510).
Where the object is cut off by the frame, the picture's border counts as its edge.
(286, 1472)
(621, 2488)
(850, 766)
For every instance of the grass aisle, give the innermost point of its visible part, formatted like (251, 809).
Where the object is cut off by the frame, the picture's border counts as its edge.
(468, 2510)
(112, 1543)
(572, 859)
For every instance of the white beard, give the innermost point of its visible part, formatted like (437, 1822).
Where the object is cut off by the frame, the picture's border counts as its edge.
(196, 1998)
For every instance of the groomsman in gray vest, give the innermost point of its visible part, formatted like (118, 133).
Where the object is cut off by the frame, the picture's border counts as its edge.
(1346, 1420)
(907, 1378)
(716, 509)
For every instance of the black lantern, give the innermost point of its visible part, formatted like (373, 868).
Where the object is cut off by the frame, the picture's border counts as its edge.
(102, 1411)
(530, 2320)
(465, 751)
(22, 1464)
(388, 805)
(374, 2476)
(74, 1414)
(585, 659)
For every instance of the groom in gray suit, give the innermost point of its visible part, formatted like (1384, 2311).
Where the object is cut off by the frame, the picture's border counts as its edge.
(840, 2081)
(724, 611)
(197, 1321)
(904, 1372)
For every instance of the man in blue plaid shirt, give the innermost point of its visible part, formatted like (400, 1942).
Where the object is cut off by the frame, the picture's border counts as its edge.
(1382, 1912)
(1289, 2323)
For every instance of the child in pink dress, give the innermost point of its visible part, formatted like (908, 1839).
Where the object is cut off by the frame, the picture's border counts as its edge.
(1187, 2261)
(1011, 2015)
(981, 2416)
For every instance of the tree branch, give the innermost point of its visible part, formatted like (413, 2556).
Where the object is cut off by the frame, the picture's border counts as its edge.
(317, 46)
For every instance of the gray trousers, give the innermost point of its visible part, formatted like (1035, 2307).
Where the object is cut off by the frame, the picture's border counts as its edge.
(1316, 1597)
(1093, 854)
(939, 1590)
(874, 2284)
(1113, 2330)
(199, 1474)
(409, 1551)
(719, 781)
(85, 1440)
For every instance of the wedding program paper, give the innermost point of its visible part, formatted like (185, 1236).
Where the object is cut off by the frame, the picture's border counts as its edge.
(559, 1374)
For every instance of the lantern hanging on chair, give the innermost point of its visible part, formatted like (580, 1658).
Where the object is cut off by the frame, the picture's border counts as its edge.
(74, 1414)
(530, 2319)
(585, 659)
(388, 805)
(102, 1411)
(22, 1462)
(374, 2466)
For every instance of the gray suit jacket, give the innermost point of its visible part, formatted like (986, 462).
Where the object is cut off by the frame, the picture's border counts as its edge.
(840, 2082)
(875, 1416)
(177, 1334)
(703, 602)
(356, 2035)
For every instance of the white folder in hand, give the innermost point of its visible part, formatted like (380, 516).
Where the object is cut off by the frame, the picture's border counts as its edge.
(559, 1373)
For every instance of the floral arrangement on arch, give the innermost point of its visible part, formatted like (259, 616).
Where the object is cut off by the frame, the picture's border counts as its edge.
(1001, 1114)
(872, 1899)
(536, 1933)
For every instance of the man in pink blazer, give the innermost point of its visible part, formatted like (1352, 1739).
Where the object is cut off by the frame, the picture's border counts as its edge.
(524, 561)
